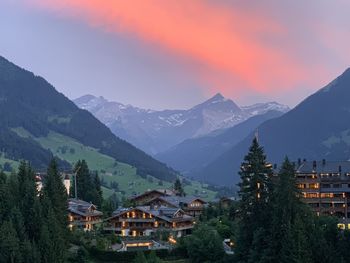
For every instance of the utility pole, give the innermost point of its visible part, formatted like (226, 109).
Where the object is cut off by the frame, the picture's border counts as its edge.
(75, 182)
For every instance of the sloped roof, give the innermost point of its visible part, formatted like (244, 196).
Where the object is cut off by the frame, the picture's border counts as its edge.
(177, 201)
(82, 208)
(324, 167)
(165, 192)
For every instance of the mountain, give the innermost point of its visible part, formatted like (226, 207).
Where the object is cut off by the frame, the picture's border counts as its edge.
(158, 131)
(38, 122)
(318, 128)
(194, 154)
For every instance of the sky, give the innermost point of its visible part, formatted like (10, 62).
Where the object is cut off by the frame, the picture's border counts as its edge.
(176, 53)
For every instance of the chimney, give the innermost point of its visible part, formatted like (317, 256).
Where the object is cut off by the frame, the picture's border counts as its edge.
(304, 160)
(314, 165)
(323, 162)
(339, 169)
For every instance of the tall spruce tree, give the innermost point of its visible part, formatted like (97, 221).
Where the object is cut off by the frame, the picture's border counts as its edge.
(88, 184)
(254, 211)
(287, 225)
(55, 191)
(178, 188)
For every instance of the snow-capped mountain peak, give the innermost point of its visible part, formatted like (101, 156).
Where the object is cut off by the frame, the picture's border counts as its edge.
(156, 131)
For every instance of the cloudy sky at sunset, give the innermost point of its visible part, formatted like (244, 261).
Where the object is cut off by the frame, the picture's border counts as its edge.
(173, 54)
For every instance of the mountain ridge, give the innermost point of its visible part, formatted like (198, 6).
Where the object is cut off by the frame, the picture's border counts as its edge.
(157, 131)
(317, 128)
(28, 101)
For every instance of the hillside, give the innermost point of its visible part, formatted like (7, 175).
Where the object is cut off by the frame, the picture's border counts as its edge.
(31, 111)
(319, 127)
(158, 131)
(194, 154)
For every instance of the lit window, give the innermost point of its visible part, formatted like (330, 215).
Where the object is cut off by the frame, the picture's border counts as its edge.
(341, 226)
(258, 185)
(156, 224)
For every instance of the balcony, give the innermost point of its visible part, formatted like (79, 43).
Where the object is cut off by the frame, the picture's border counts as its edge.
(137, 220)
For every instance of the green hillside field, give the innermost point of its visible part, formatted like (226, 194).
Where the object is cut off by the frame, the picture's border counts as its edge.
(129, 182)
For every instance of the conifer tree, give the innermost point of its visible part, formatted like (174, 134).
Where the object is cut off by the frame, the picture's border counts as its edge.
(178, 188)
(254, 211)
(9, 243)
(55, 191)
(88, 184)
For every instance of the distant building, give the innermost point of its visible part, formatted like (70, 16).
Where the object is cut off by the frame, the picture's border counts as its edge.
(146, 221)
(151, 194)
(66, 179)
(325, 187)
(191, 205)
(83, 215)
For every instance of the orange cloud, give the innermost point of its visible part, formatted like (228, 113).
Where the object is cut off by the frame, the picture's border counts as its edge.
(234, 47)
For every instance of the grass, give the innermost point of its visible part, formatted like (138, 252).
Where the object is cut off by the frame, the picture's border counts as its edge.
(3, 160)
(129, 183)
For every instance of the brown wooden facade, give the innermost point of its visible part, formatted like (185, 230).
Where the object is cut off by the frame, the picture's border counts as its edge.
(145, 221)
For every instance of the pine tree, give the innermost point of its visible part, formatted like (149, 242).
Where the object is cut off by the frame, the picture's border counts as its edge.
(9, 244)
(178, 188)
(254, 210)
(97, 190)
(27, 200)
(55, 191)
(88, 184)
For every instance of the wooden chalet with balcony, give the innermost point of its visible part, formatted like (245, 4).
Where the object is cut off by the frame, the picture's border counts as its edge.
(146, 221)
(83, 215)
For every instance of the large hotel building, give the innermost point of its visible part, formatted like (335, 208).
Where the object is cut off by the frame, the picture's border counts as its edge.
(325, 186)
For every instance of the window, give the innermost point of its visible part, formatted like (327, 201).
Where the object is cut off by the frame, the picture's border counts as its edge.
(313, 186)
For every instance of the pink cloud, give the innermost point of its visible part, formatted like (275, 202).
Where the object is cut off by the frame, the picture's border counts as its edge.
(238, 48)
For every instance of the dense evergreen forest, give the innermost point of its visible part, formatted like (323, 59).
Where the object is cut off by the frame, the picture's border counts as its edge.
(33, 225)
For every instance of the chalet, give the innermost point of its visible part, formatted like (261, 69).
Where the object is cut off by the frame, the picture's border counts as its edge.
(145, 221)
(325, 187)
(191, 205)
(150, 195)
(83, 215)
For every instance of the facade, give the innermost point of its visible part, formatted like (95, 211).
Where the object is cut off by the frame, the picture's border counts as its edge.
(146, 221)
(191, 205)
(83, 215)
(325, 186)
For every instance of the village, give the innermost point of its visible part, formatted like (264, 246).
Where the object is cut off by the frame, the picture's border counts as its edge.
(157, 218)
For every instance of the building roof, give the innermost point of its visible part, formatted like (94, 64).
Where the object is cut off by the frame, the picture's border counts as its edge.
(164, 192)
(82, 208)
(178, 201)
(324, 167)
